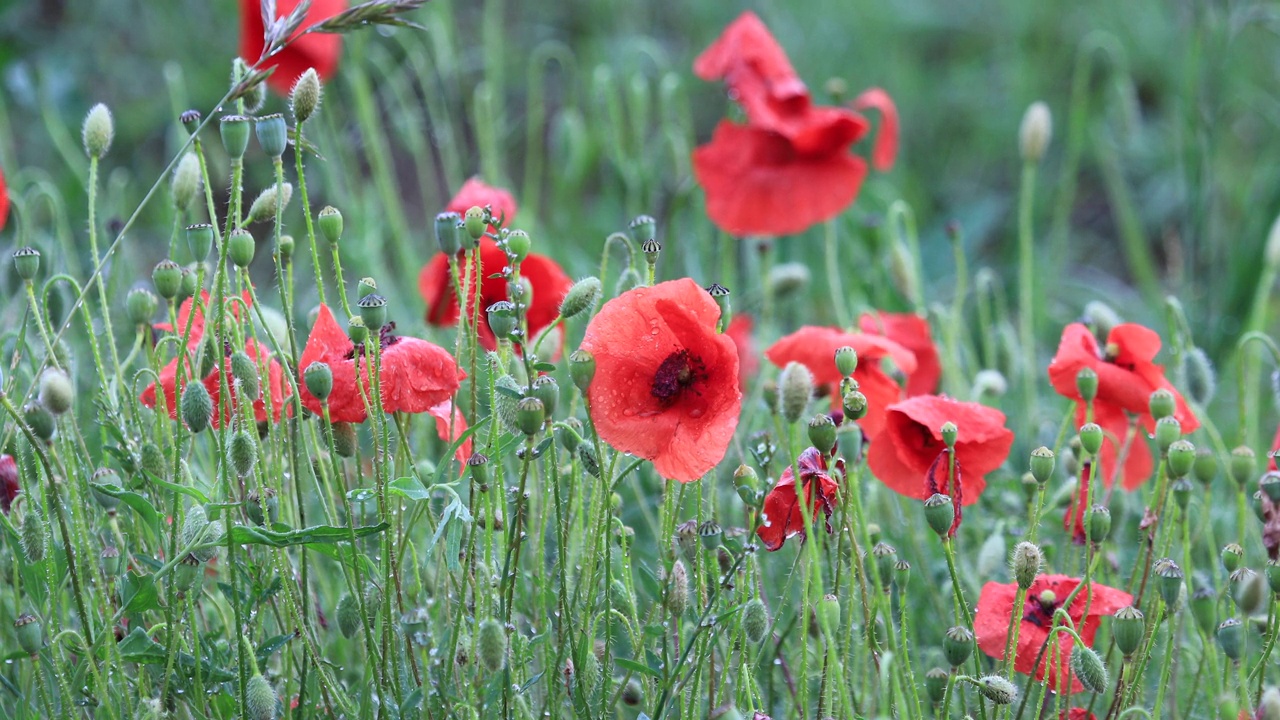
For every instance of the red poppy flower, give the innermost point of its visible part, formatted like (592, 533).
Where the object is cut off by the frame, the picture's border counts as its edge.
(781, 516)
(275, 386)
(815, 348)
(1077, 714)
(1046, 595)
(1073, 519)
(912, 332)
(666, 383)
(450, 425)
(739, 331)
(9, 487)
(902, 456)
(1127, 375)
(756, 70)
(475, 193)
(4, 201)
(313, 50)
(416, 376)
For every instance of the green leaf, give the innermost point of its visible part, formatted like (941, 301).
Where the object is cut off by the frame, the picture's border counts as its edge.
(140, 505)
(544, 367)
(512, 393)
(174, 487)
(409, 487)
(273, 645)
(245, 535)
(637, 667)
(139, 648)
(454, 510)
(140, 593)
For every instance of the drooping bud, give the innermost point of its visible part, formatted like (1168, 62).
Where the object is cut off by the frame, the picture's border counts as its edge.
(40, 420)
(235, 135)
(795, 387)
(1181, 457)
(1027, 560)
(1091, 438)
(270, 201)
(26, 262)
(305, 96)
(957, 645)
(1197, 376)
(788, 279)
(1042, 462)
(997, 689)
(245, 373)
(1128, 629)
(186, 182)
(244, 453)
(755, 620)
(1089, 668)
(33, 534)
(348, 613)
(581, 297)
(1035, 132)
(56, 392)
(491, 640)
(939, 511)
(98, 131)
(197, 406)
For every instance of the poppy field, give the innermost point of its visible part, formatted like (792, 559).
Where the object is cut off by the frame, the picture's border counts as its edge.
(407, 360)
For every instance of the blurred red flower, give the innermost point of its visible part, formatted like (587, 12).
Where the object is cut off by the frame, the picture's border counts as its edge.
(912, 332)
(789, 166)
(415, 374)
(739, 331)
(1046, 595)
(9, 487)
(903, 455)
(4, 201)
(274, 387)
(1073, 518)
(450, 425)
(781, 516)
(313, 50)
(1077, 714)
(1127, 375)
(666, 383)
(548, 281)
(815, 348)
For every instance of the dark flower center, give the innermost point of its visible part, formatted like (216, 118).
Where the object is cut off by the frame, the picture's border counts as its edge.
(678, 371)
(386, 338)
(1040, 609)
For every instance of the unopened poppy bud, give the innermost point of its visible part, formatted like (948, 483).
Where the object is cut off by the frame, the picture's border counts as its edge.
(1251, 591)
(190, 119)
(935, 684)
(26, 261)
(633, 693)
(829, 613)
(957, 645)
(720, 294)
(1168, 431)
(98, 131)
(997, 689)
(1087, 384)
(373, 310)
(348, 613)
(305, 96)
(197, 406)
(1232, 554)
(270, 202)
(582, 369)
(241, 247)
(1205, 468)
(1232, 638)
(33, 535)
(245, 373)
(1195, 373)
(885, 556)
(822, 433)
(39, 420)
(273, 134)
(1026, 563)
(1270, 485)
(518, 244)
(1091, 438)
(651, 249)
(1244, 465)
(447, 233)
(167, 278)
(1098, 527)
(109, 561)
(329, 220)
(581, 297)
(357, 330)
(678, 589)
(854, 405)
(1162, 404)
(530, 414)
(475, 223)
(491, 641)
(547, 390)
(795, 387)
(200, 240)
(939, 511)
(1128, 628)
(235, 135)
(141, 305)
(1169, 580)
(1042, 462)
(30, 633)
(755, 620)
(285, 246)
(709, 534)
(643, 227)
(244, 453)
(260, 699)
(1089, 668)
(186, 182)
(55, 391)
(949, 432)
(1034, 132)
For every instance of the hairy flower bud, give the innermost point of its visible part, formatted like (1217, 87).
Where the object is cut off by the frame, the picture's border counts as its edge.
(56, 392)
(1026, 563)
(755, 620)
(1089, 668)
(244, 453)
(795, 387)
(196, 406)
(186, 182)
(678, 590)
(270, 201)
(997, 689)
(260, 699)
(305, 96)
(492, 645)
(33, 534)
(98, 131)
(643, 227)
(581, 297)
(1195, 373)
(1035, 132)
(348, 613)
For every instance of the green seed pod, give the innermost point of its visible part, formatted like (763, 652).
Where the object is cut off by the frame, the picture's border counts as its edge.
(1098, 527)
(56, 392)
(1168, 431)
(997, 689)
(1232, 554)
(1250, 591)
(885, 556)
(755, 620)
(1244, 465)
(478, 464)
(1204, 608)
(935, 684)
(1232, 638)
(1169, 580)
(345, 441)
(373, 310)
(244, 453)
(260, 699)
(187, 573)
(502, 319)
(581, 297)
(1181, 458)
(652, 250)
(1091, 438)
(98, 131)
(720, 294)
(1273, 576)
(30, 634)
(318, 378)
(1268, 484)
(357, 330)
(1205, 468)
(1042, 462)
(795, 387)
(678, 590)
(141, 304)
(329, 219)
(1089, 668)
(241, 247)
(40, 420)
(829, 613)
(348, 616)
(1181, 490)
(366, 287)
(109, 561)
(949, 431)
(196, 406)
(476, 222)
(273, 134)
(822, 433)
(235, 134)
(26, 262)
(447, 233)
(940, 512)
(530, 414)
(582, 368)
(285, 247)
(187, 284)
(643, 227)
(270, 202)
(1087, 384)
(492, 642)
(33, 535)
(518, 244)
(1162, 404)
(167, 278)
(1128, 629)
(957, 645)
(547, 390)
(846, 360)
(709, 534)
(305, 96)
(1027, 560)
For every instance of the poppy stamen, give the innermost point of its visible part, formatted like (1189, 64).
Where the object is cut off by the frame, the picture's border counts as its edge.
(678, 371)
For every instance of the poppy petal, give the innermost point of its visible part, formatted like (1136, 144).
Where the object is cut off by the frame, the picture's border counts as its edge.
(885, 149)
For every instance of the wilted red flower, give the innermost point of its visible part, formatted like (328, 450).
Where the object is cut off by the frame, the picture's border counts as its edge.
(548, 281)
(4, 201)
(739, 331)
(781, 517)
(275, 386)
(1046, 594)
(789, 167)
(450, 425)
(902, 456)
(911, 332)
(415, 374)
(9, 487)
(313, 50)
(1127, 375)
(666, 383)
(815, 348)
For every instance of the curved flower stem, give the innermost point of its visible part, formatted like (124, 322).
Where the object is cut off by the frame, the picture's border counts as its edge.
(834, 285)
(1026, 286)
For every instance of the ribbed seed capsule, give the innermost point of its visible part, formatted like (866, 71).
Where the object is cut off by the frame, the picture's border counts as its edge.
(1127, 628)
(957, 645)
(1089, 668)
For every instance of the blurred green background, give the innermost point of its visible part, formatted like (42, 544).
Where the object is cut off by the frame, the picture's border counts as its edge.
(1157, 181)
